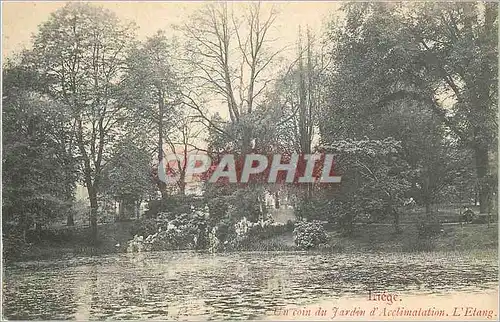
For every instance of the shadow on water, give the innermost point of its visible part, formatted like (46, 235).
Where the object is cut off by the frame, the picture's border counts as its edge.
(178, 285)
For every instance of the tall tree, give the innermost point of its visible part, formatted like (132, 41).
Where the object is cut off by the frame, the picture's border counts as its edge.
(230, 56)
(182, 140)
(374, 179)
(39, 170)
(82, 50)
(298, 96)
(441, 55)
(156, 90)
(231, 62)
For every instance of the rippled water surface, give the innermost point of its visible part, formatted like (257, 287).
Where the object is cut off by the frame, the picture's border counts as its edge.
(179, 285)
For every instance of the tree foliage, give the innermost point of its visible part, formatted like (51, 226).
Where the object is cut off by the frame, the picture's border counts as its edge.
(81, 49)
(39, 170)
(441, 57)
(154, 107)
(374, 179)
(127, 176)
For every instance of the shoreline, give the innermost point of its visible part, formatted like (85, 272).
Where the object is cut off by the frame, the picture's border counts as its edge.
(367, 239)
(487, 253)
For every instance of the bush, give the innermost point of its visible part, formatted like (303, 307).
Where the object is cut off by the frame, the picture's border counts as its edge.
(184, 231)
(13, 244)
(481, 219)
(428, 229)
(247, 231)
(175, 205)
(244, 233)
(290, 225)
(218, 209)
(315, 209)
(144, 227)
(245, 203)
(309, 234)
(419, 245)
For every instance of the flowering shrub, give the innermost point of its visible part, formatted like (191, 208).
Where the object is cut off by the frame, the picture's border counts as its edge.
(175, 205)
(309, 234)
(247, 232)
(184, 231)
(136, 245)
(193, 231)
(213, 241)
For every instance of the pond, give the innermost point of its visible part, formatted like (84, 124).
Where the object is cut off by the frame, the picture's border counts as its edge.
(181, 285)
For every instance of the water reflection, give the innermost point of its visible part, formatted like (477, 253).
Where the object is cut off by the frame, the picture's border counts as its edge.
(181, 285)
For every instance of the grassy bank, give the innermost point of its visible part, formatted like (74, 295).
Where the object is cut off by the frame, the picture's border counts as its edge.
(366, 238)
(74, 241)
(381, 238)
(453, 238)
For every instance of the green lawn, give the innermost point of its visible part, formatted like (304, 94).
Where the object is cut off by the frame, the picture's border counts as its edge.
(381, 238)
(454, 237)
(446, 213)
(366, 238)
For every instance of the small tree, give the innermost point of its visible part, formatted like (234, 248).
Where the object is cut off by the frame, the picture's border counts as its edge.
(156, 91)
(39, 171)
(127, 177)
(374, 179)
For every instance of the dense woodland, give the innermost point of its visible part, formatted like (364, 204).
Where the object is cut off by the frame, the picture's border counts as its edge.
(405, 96)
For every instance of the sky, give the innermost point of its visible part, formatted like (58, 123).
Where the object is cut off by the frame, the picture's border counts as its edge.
(21, 19)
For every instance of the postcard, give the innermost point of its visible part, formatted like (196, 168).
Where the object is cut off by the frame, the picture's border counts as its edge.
(182, 160)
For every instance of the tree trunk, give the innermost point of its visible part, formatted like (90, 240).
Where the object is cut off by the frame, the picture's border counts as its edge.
(93, 212)
(182, 183)
(162, 186)
(121, 210)
(350, 225)
(397, 227)
(395, 214)
(427, 207)
(70, 220)
(482, 165)
(246, 143)
(426, 193)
